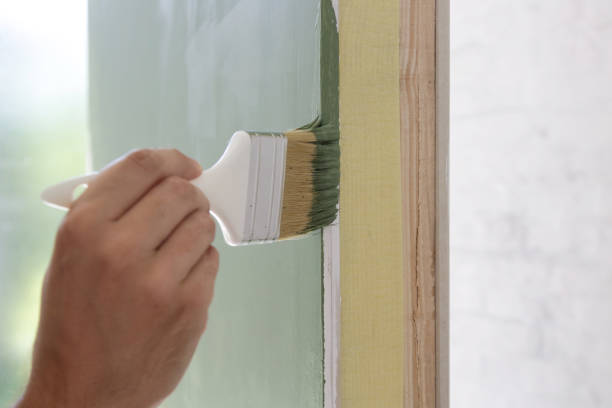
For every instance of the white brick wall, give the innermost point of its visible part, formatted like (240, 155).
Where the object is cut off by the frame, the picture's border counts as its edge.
(531, 203)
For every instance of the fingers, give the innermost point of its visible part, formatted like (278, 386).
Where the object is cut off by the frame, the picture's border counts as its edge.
(186, 245)
(158, 213)
(120, 185)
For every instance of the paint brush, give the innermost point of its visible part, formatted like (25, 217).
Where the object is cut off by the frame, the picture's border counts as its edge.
(265, 187)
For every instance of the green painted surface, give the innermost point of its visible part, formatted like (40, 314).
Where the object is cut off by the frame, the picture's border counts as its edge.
(187, 74)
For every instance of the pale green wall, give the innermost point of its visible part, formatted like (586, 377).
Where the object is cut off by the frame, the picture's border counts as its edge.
(187, 74)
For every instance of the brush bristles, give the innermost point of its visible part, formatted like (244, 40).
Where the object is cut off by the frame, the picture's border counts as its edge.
(312, 175)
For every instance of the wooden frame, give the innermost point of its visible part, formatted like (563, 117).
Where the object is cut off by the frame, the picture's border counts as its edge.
(393, 234)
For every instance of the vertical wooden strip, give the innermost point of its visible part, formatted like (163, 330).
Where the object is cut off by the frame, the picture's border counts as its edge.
(418, 140)
(424, 203)
(372, 286)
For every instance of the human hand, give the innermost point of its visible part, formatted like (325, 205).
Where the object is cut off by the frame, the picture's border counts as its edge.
(126, 295)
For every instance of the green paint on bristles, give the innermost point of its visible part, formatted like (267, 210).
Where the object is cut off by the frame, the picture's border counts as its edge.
(326, 163)
(325, 177)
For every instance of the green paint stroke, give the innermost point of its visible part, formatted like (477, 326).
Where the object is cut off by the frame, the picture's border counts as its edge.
(329, 66)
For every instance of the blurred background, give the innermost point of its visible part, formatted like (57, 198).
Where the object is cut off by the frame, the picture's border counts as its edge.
(531, 191)
(531, 203)
(43, 61)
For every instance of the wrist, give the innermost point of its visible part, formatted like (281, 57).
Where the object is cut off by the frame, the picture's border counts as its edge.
(39, 394)
(39, 399)
(44, 394)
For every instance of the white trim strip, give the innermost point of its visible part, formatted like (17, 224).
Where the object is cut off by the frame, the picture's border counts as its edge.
(331, 312)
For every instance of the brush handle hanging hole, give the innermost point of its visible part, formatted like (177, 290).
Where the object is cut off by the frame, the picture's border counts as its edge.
(78, 190)
(61, 195)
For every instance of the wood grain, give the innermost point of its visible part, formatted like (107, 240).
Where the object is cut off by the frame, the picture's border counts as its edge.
(424, 202)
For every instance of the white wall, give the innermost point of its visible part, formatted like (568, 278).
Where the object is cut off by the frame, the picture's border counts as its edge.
(531, 203)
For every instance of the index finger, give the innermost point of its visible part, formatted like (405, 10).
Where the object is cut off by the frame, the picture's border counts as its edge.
(121, 184)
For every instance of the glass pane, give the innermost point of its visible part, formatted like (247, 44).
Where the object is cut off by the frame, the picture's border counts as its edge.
(43, 61)
(187, 74)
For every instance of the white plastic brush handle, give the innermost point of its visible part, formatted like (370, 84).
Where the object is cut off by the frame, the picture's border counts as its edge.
(61, 195)
(225, 184)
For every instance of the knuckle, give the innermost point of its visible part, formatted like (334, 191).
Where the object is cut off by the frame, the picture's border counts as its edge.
(205, 223)
(147, 159)
(182, 159)
(180, 187)
(177, 153)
